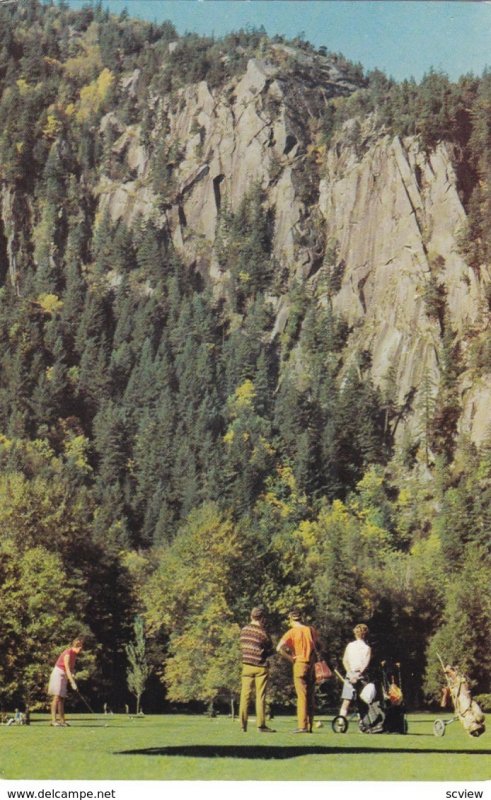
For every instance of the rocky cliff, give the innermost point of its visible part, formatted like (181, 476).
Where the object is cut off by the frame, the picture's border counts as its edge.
(380, 212)
(386, 209)
(396, 213)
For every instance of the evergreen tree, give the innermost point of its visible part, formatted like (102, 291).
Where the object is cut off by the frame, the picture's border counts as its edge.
(462, 638)
(138, 667)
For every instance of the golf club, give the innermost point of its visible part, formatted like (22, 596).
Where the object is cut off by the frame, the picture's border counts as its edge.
(84, 701)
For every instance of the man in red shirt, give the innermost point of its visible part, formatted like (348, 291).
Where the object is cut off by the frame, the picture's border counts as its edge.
(63, 672)
(298, 646)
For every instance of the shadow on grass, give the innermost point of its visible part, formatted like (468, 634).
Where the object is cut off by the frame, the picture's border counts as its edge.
(280, 753)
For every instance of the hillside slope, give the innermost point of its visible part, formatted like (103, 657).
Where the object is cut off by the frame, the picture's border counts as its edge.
(381, 212)
(244, 317)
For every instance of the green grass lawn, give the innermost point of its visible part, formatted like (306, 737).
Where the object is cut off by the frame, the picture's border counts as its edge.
(198, 748)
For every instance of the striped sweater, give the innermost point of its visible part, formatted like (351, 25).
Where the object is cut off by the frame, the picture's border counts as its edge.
(256, 645)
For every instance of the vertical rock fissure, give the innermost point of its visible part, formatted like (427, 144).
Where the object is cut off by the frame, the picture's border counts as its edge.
(216, 191)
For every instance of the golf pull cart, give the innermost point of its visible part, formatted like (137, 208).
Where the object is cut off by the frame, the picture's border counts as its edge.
(385, 714)
(370, 715)
(340, 724)
(466, 709)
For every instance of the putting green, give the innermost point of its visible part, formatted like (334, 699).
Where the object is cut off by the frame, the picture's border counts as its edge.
(199, 748)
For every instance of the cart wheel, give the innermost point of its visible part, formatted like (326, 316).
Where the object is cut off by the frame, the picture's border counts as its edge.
(339, 724)
(439, 727)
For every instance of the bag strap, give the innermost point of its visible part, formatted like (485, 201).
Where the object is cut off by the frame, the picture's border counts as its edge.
(317, 654)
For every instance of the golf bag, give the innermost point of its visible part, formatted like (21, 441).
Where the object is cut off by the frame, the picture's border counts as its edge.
(466, 709)
(394, 706)
(372, 718)
(370, 709)
(395, 719)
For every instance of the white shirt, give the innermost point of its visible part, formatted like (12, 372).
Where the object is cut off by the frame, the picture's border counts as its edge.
(356, 657)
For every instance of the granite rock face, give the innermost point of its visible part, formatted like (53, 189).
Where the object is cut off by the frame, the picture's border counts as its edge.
(395, 215)
(381, 212)
(251, 132)
(388, 210)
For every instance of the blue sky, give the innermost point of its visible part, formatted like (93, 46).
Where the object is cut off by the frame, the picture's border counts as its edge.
(405, 38)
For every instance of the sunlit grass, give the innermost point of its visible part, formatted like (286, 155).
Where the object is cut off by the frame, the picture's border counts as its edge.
(199, 748)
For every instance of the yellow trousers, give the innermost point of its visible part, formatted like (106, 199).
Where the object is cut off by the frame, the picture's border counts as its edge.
(253, 678)
(304, 681)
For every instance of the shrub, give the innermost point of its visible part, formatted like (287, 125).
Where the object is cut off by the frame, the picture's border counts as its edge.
(484, 701)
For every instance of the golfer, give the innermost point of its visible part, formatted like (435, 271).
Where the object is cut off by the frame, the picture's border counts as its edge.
(356, 659)
(298, 646)
(256, 647)
(63, 672)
